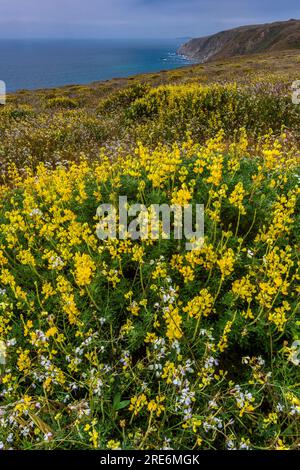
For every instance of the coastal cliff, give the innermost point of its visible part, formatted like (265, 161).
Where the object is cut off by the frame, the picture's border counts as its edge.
(244, 40)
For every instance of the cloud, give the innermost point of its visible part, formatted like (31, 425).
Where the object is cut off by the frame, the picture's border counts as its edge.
(135, 18)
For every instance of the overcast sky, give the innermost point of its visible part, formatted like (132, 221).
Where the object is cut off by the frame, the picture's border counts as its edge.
(135, 18)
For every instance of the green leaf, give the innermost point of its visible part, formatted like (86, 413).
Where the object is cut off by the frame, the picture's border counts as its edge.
(122, 404)
(116, 401)
(118, 404)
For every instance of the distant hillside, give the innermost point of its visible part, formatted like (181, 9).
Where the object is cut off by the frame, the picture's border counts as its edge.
(245, 40)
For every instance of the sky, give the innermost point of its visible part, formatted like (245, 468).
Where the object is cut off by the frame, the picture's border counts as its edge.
(135, 18)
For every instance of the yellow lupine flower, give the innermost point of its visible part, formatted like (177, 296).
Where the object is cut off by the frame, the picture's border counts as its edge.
(244, 288)
(24, 362)
(84, 269)
(181, 197)
(237, 197)
(200, 305)
(173, 321)
(156, 406)
(137, 403)
(226, 263)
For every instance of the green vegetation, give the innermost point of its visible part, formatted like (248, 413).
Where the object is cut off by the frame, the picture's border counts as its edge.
(123, 344)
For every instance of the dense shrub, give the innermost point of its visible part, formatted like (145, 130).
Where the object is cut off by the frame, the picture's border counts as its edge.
(121, 99)
(11, 112)
(169, 111)
(62, 102)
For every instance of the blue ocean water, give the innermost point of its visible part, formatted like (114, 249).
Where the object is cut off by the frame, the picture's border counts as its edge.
(31, 64)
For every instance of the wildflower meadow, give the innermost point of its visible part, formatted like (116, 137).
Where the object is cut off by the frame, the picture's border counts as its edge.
(140, 343)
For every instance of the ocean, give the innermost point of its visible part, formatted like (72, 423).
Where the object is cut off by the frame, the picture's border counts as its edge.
(32, 64)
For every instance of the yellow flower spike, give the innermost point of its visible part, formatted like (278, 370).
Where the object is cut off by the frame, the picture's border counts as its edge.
(244, 288)
(137, 403)
(24, 362)
(150, 338)
(200, 305)
(226, 263)
(84, 269)
(113, 445)
(156, 406)
(173, 321)
(182, 197)
(237, 197)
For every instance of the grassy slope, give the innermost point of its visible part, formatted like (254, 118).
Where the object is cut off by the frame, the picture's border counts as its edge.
(55, 125)
(285, 64)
